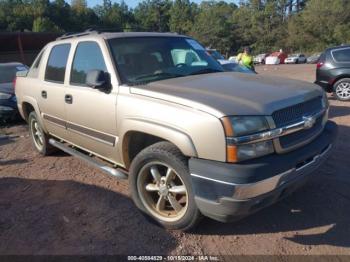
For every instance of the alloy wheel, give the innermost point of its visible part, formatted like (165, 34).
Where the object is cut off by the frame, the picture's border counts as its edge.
(162, 191)
(37, 133)
(343, 90)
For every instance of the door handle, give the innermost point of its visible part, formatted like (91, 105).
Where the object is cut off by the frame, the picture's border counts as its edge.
(68, 99)
(44, 94)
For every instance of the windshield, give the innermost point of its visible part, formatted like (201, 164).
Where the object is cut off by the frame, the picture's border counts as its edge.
(146, 59)
(8, 72)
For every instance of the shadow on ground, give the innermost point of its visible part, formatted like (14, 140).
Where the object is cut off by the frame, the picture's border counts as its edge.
(66, 217)
(339, 111)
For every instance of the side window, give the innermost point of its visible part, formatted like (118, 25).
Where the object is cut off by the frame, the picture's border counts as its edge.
(37, 61)
(342, 55)
(88, 56)
(56, 65)
(34, 69)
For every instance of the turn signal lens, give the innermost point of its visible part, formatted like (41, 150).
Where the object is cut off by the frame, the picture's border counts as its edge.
(231, 154)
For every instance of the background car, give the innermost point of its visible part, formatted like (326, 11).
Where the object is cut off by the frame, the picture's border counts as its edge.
(233, 58)
(295, 59)
(333, 71)
(275, 58)
(260, 59)
(8, 103)
(313, 59)
(229, 65)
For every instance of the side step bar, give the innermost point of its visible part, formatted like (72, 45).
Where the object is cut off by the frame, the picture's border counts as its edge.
(108, 170)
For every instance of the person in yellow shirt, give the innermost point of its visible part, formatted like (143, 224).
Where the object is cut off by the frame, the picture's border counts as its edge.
(246, 59)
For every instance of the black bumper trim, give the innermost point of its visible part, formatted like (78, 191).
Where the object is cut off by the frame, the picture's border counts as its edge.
(216, 200)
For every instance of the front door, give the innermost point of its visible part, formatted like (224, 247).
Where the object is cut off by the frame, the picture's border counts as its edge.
(91, 113)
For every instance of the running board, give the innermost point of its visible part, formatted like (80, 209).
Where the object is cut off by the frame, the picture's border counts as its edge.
(108, 170)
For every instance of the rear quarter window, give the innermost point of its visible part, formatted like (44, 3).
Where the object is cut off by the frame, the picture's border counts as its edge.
(57, 62)
(34, 70)
(341, 55)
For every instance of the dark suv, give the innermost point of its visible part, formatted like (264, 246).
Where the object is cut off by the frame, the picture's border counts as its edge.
(333, 71)
(8, 103)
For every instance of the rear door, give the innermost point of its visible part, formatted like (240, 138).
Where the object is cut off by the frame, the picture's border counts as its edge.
(52, 89)
(91, 113)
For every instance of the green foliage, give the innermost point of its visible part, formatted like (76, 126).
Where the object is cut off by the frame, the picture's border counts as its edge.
(182, 14)
(212, 26)
(44, 24)
(265, 25)
(322, 23)
(153, 15)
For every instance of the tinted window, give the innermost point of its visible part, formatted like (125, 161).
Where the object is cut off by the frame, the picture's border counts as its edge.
(148, 59)
(342, 55)
(56, 65)
(37, 61)
(88, 56)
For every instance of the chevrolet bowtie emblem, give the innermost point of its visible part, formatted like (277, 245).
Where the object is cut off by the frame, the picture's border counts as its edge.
(309, 121)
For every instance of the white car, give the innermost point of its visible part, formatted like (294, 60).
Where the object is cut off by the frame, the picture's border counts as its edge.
(295, 59)
(272, 60)
(233, 58)
(260, 59)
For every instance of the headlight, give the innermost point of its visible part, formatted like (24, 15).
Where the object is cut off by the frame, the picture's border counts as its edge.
(245, 126)
(5, 96)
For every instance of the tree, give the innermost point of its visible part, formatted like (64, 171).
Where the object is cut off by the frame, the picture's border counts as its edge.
(182, 15)
(44, 24)
(321, 24)
(212, 25)
(153, 15)
(114, 16)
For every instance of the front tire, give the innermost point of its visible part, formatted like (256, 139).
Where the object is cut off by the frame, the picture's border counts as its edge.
(40, 140)
(341, 89)
(161, 187)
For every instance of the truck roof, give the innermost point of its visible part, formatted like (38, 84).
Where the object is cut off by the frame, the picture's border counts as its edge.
(109, 35)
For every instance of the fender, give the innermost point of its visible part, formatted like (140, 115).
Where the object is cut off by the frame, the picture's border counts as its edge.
(33, 102)
(176, 136)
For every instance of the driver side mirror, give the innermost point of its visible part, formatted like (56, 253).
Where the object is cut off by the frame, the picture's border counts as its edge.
(98, 79)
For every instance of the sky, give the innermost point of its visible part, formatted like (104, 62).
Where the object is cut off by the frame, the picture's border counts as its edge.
(133, 3)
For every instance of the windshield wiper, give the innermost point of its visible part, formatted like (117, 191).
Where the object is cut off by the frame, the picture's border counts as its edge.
(163, 74)
(206, 71)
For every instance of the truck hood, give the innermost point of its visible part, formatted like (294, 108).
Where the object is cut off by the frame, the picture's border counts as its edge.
(230, 93)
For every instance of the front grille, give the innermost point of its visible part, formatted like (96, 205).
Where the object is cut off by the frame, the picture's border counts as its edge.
(296, 112)
(302, 135)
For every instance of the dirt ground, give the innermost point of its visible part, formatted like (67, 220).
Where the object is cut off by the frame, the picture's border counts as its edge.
(59, 205)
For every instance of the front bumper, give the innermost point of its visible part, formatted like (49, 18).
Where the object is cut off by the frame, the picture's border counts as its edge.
(227, 192)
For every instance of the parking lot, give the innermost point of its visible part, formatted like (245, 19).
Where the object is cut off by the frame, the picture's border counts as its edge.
(59, 205)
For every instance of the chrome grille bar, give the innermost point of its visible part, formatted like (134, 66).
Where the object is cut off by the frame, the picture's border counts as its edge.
(306, 123)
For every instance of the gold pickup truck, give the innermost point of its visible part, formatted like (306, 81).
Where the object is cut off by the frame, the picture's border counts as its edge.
(158, 110)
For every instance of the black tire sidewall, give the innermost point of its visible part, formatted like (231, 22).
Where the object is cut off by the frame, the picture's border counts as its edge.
(150, 155)
(44, 151)
(347, 80)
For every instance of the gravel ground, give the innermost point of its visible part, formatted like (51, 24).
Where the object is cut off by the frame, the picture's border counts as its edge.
(59, 205)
